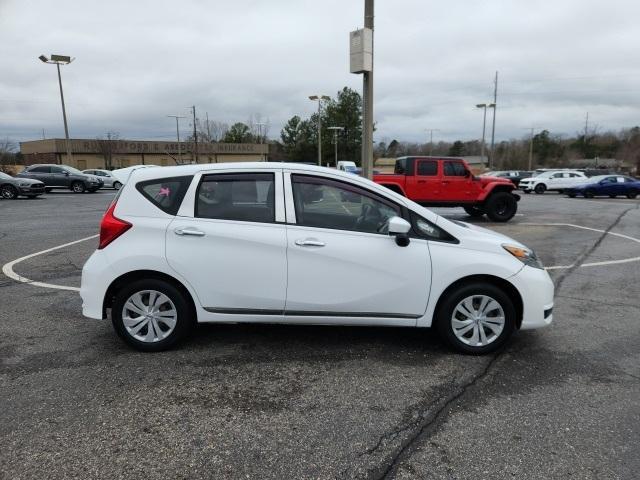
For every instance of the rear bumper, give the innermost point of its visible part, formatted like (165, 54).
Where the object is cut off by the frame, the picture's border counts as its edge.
(537, 291)
(97, 275)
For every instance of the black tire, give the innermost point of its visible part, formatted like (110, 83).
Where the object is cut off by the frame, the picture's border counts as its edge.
(501, 206)
(632, 194)
(445, 314)
(612, 196)
(589, 193)
(78, 187)
(8, 192)
(571, 195)
(117, 185)
(48, 190)
(540, 188)
(184, 322)
(474, 211)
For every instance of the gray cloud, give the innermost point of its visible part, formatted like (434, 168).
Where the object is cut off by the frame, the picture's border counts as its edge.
(136, 62)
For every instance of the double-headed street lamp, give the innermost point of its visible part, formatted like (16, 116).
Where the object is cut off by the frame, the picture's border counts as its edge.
(484, 106)
(57, 60)
(319, 99)
(335, 140)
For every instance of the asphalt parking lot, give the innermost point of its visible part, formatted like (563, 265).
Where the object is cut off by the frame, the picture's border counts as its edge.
(261, 401)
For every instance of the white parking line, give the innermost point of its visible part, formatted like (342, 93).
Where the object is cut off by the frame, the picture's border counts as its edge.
(592, 264)
(7, 268)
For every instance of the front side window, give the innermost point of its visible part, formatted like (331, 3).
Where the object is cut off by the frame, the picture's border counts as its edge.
(427, 168)
(326, 203)
(454, 169)
(57, 170)
(165, 193)
(247, 197)
(40, 170)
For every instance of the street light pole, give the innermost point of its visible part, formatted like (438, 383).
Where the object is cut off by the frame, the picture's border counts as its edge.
(319, 98)
(261, 136)
(493, 127)
(178, 136)
(64, 60)
(335, 141)
(431, 130)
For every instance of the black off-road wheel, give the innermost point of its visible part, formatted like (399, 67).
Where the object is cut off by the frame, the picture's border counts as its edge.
(501, 206)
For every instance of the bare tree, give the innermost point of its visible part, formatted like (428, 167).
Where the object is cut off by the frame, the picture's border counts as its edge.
(259, 127)
(7, 154)
(107, 146)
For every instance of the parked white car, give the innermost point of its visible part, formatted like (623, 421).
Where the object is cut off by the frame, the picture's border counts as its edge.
(552, 180)
(106, 176)
(292, 243)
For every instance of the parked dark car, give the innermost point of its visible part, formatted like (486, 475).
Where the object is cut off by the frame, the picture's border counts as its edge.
(514, 175)
(606, 186)
(11, 188)
(62, 176)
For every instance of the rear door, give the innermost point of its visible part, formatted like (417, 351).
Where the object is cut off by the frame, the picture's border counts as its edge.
(39, 173)
(427, 180)
(230, 242)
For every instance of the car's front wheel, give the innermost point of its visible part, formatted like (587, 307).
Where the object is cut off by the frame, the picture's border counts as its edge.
(476, 318)
(632, 194)
(540, 188)
(117, 185)
(501, 206)
(78, 187)
(8, 192)
(151, 315)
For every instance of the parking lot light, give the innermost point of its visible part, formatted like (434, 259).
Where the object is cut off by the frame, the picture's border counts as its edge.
(57, 60)
(319, 99)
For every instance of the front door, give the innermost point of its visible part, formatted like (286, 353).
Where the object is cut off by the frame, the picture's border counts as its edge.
(231, 250)
(426, 180)
(341, 263)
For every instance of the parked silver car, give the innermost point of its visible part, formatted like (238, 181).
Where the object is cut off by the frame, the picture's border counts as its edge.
(11, 188)
(106, 176)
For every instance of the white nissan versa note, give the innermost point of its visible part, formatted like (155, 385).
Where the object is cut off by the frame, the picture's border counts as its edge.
(291, 243)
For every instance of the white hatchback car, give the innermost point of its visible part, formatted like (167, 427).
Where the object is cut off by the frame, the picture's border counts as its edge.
(291, 243)
(553, 181)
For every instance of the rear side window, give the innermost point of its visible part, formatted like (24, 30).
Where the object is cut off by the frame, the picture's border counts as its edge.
(454, 169)
(427, 168)
(40, 170)
(165, 193)
(247, 197)
(401, 167)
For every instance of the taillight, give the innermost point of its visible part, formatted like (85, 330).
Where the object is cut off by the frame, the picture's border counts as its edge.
(111, 227)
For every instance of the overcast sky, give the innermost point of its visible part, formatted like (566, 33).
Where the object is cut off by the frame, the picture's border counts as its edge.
(138, 61)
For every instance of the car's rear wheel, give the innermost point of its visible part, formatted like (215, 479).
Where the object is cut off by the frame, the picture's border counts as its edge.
(476, 318)
(474, 211)
(117, 185)
(501, 207)
(589, 193)
(632, 194)
(151, 315)
(540, 188)
(8, 192)
(78, 187)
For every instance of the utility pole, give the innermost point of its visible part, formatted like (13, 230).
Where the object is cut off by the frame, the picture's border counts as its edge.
(335, 141)
(586, 132)
(208, 129)
(195, 135)
(178, 136)
(367, 97)
(64, 60)
(531, 147)
(431, 130)
(493, 127)
(484, 106)
(261, 136)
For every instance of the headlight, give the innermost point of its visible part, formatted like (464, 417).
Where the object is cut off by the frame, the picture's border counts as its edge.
(25, 184)
(525, 255)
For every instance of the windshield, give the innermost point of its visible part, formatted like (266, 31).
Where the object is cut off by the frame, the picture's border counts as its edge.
(350, 168)
(5, 176)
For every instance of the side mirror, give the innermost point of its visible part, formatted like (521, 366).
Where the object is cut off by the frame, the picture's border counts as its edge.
(399, 227)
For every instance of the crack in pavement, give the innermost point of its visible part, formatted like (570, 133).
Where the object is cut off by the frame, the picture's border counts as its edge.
(428, 423)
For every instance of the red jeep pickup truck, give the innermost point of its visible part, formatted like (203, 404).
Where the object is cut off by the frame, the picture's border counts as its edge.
(448, 182)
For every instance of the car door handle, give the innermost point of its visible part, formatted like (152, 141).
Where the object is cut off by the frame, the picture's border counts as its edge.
(309, 242)
(188, 232)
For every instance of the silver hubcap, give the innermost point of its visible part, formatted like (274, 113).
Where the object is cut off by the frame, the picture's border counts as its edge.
(7, 192)
(478, 320)
(77, 187)
(149, 316)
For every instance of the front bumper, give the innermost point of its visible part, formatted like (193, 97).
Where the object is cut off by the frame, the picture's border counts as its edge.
(537, 291)
(35, 189)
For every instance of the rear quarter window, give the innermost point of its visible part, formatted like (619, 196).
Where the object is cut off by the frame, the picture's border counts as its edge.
(165, 193)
